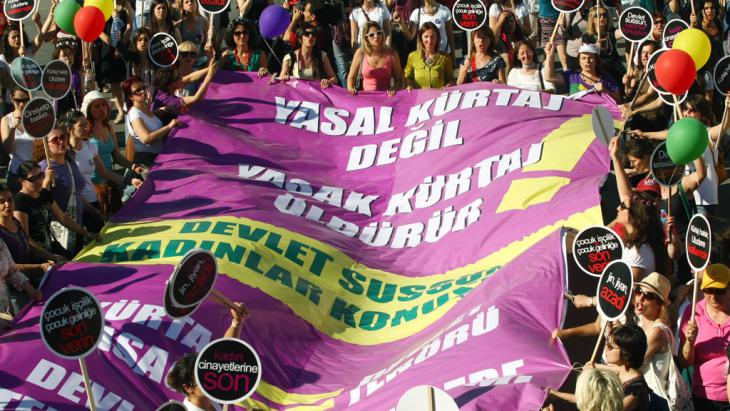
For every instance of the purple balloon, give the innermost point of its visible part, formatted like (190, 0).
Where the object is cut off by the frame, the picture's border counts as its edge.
(274, 21)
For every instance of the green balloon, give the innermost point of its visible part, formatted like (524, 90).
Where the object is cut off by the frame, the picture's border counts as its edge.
(687, 140)
(65, 13)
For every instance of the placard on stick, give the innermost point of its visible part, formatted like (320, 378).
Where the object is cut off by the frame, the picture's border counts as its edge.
(26, 73)
(426, 397)
(72, 323)
(228, 370)
(193, 279)
(698, 242)
(38, 117)
(213, 6)
(174, 311)
(56, 80)
(614, 290)
(17, 10)
(596, 247)
(721, 75)
(469, 15)
(671, 30)
(602, 123)
(665, 171)
(163, 50)
(635, 24)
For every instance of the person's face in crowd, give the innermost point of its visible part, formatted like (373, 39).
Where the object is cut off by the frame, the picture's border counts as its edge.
(67, 56)
(187, 58)
(690, 111)
(612, 352)
(602, 17)
(142, 42)
(375, 37)
(510, 24)
(6, 204)
(33, 181)
(189, 6)
(309, 37)
(638, 163)
(481, 42)
(622, 215)
(525, 55)
(659, 23)
(717, 298)
(587, 61)
(80, 128)
(646, 303)
(57, 142)
(429, 40)
(20, 99)
(240, 35)
(139, 93)
(14, 39)
(709, 10)
(99, 109)
(307, 12)
(194, 394)
(645, 53)
(160, 12)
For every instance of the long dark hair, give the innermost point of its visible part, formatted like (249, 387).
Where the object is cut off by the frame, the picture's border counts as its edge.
(155, 27)
(645, 219)
(8, 51)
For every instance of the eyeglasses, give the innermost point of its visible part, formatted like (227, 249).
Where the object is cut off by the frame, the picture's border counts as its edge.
(623, 206)
(308, 33)
(20, 100)
(648, 296)
(188, 54)
(240, 33)
(140, 91)
(35, 178)
(715, 291)
(374, 34)
(602, 15)
(659, 22)
(56, 140)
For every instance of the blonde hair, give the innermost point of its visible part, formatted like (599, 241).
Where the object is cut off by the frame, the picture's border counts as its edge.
(366, 48)
(593, 21)
(599, 390)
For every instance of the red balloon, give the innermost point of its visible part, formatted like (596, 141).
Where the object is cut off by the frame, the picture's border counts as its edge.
(89, 23)
(675, 71)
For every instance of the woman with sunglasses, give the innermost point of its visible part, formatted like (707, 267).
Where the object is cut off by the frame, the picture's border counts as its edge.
(703, 341)
(241, 54)
(193, 27)
(16, 142)
(35, 208)
(375, 64)
(427, 67)
(67, 189)
(146, 130)
(308, 62)
(483, 63)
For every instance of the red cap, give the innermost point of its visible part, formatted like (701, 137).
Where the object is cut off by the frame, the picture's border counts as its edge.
(649, 184)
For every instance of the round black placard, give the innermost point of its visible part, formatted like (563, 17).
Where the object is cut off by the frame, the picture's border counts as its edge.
(56, 79)
(469, 15)
(596, 247)
(698, 242)
(635, 24)
(72, 323)
(614, 290)
(663, 169)
(228, 370)
(38, 117)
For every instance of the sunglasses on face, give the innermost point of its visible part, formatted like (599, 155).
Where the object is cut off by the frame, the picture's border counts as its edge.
(140, 91)
(374, 34)
(240, 33)
(308, 34)
(602, 15)
(20, 100)
(35, 178)
(188, 54)
(56, 140)
(648, 296)
(715, 291)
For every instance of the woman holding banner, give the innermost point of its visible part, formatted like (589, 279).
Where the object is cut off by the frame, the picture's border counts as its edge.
(427, 67)
(483, 63)
(590, 76)
(181, 377)
(241, 54)
(308, 62)
(375, 65)
(527, 74)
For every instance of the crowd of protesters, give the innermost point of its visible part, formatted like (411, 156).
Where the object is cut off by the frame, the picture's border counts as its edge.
(58, 197)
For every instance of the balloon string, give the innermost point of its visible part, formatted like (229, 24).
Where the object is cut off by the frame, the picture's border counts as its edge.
(272, 51)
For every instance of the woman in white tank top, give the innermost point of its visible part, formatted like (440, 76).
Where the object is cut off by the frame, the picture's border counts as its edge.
(16, 142)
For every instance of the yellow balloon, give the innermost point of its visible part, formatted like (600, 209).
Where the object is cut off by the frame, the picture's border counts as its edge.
(695, 43)
(106, 6)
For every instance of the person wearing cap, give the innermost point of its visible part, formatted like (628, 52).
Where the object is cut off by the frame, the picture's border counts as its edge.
(590, 76)
(651, 300)
(704, 340)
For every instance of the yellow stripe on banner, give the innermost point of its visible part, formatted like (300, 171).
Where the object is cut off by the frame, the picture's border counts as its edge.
(279, 396)
(339, 296)
(252, 404)
(528, 192)
(565, 146)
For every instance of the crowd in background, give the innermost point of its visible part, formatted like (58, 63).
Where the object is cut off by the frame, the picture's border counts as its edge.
(57, 198)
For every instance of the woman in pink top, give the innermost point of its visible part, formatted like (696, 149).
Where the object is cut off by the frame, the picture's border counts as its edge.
(374, 64)
(703, 341)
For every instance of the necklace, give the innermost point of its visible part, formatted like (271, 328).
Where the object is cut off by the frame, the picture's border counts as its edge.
(589, 78)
